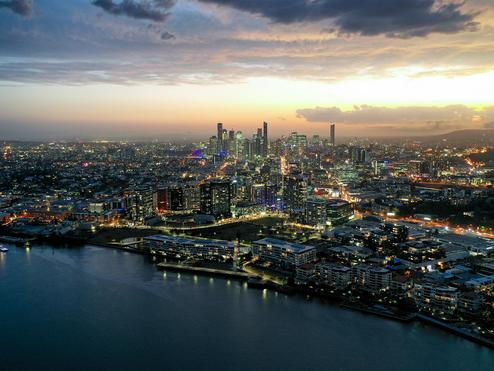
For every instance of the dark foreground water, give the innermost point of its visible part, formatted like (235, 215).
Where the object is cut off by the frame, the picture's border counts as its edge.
(93, 308)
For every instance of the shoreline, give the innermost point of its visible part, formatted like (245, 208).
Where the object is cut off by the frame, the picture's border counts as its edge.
(456, 330)
(254, 282)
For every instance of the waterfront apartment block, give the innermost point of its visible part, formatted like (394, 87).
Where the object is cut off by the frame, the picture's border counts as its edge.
(447, 299)
(371, 278)
(181, 247)
(336, 275)
(283, 254)
(431, 296)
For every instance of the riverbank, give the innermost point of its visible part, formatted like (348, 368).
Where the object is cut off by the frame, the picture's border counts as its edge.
(380, 311)
(456, 330)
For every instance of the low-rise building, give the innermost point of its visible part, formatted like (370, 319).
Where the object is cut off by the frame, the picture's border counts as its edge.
(283, 254)
(336, 275)
(470, 302)
(436, 296)
(371, 278)
(190, 247)
(401, 285)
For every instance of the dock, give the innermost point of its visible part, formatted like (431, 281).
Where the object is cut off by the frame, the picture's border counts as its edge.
(16, 240)
(207, 271)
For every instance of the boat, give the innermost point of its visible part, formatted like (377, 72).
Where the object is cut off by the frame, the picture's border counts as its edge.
(3, 249)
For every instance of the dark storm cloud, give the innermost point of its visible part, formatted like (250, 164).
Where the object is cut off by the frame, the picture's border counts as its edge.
(22, 7)
(153, 10)
(404, 18)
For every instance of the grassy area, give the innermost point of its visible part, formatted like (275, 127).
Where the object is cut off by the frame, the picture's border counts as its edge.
(244, 231)
(268, 221)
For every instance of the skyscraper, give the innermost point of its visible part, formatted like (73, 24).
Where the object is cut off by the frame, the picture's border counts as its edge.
(360, 155)
(219, 136)
(265, 140)
(258, 145)
(332, 135)
(295, 195)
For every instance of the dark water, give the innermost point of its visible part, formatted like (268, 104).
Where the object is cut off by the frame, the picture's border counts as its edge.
(92, 308)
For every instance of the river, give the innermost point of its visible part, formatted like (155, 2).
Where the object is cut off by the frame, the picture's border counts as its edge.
(93, 308)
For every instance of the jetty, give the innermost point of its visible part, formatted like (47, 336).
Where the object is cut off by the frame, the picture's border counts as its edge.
(207, 271)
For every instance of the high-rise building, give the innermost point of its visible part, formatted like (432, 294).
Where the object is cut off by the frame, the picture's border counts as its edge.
(175, 196)
(332, 135)
(140, 201)
(316, 141)
(297, 143)
(360, 155)
(295, 195)
(219, 137)
(216, 198)
(264, 194)
(328, 212)
(224, 142)
(265, 140)
(375, 167)
(241, 147)
(213, 146)
(257, 141)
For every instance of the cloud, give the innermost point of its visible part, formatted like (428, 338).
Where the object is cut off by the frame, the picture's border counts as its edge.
(153, 10)
(489, 125)
(407, 117)
(403, 19)
(232, 45)
(21, 7)
(165, 35)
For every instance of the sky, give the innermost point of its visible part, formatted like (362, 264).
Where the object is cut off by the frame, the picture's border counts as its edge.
(105, 69)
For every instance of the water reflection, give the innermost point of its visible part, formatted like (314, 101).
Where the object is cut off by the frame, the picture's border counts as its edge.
(28, 254)
(121, 285)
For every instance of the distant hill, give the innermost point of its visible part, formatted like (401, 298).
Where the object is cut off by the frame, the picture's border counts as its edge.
(460, 137)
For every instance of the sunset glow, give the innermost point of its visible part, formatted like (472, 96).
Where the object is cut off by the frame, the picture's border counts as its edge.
(123, 75)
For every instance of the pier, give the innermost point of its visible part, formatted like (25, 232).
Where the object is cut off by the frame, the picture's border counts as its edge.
(207, 271)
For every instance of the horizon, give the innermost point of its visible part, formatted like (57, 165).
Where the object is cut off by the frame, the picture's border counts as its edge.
(174, 68)
(191, 139)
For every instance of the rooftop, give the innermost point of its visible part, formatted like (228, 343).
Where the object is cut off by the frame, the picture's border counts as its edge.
(187, 241)
(285, 245)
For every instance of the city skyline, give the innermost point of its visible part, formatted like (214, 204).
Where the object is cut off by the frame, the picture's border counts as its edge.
(136, 69)
(289, 173)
